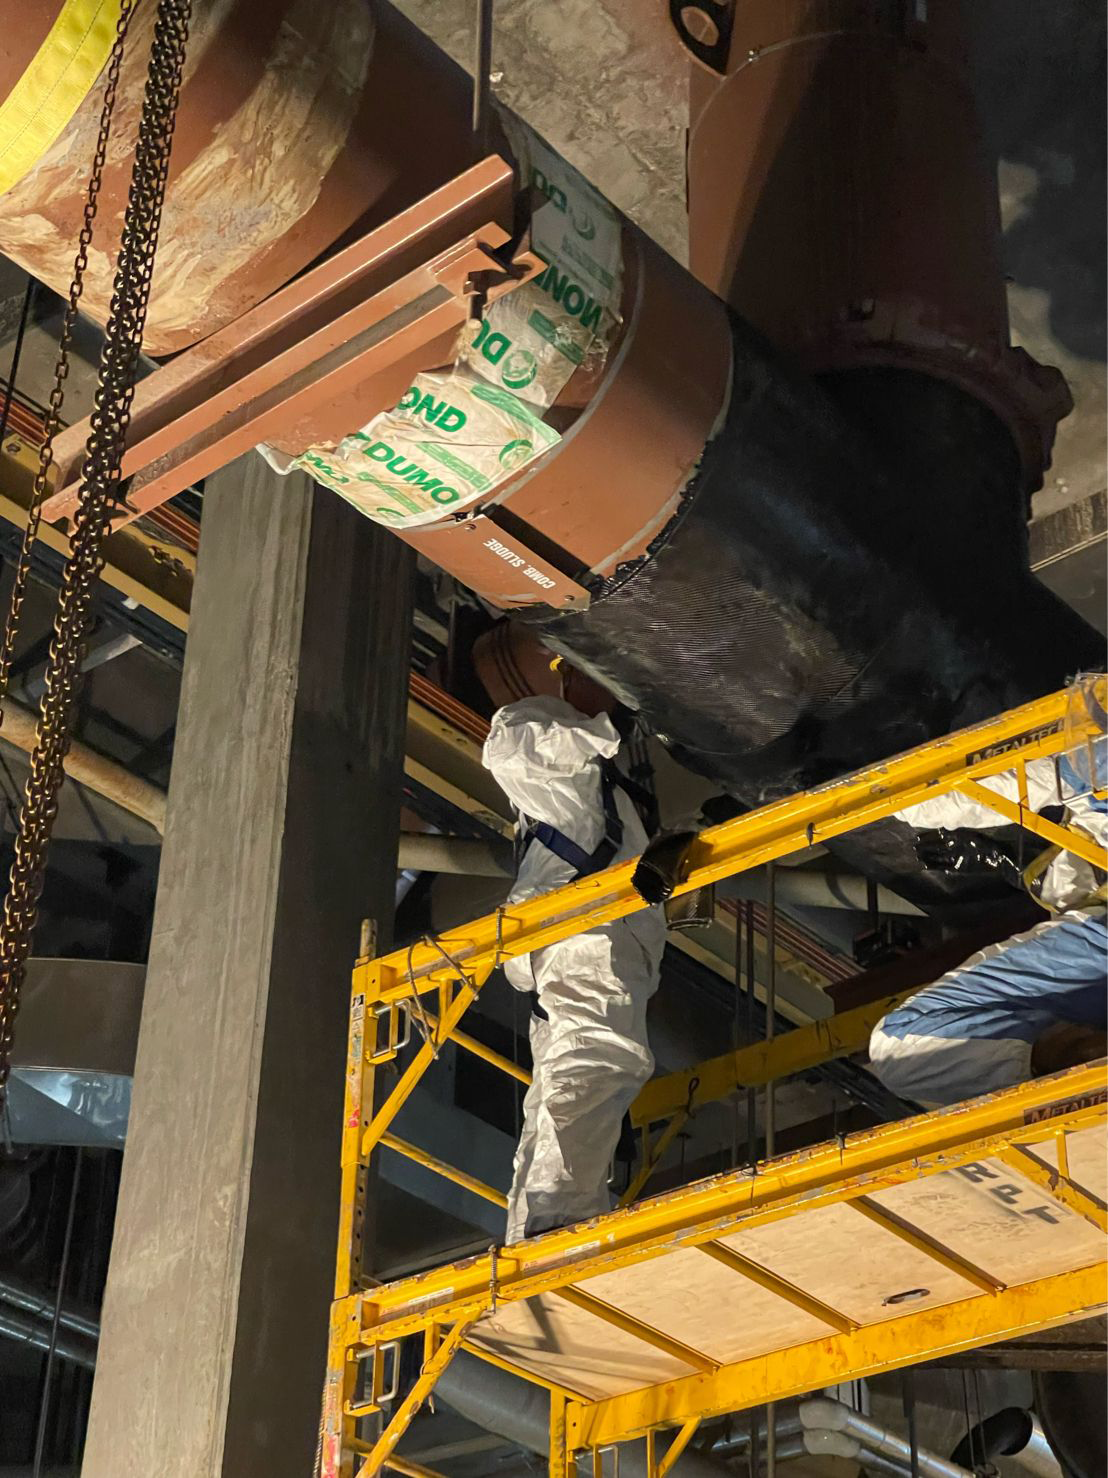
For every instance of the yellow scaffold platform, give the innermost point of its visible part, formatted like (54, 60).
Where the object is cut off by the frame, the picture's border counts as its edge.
(914, 1240)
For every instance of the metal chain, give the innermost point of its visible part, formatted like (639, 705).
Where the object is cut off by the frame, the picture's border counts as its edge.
(52, 423)
(97, 502)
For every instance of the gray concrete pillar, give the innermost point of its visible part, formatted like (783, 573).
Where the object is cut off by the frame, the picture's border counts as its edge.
(281, 835)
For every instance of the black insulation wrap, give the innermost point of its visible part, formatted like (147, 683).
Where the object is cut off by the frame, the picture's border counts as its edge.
(841, 582)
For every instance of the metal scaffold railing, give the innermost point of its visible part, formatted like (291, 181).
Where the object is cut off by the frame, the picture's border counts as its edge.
(894, 1245)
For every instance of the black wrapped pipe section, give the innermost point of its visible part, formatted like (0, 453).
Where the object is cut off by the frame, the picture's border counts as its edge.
(841, 582)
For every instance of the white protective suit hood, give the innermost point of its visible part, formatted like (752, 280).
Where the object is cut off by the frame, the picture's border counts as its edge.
(543, 754)
(588, 1039)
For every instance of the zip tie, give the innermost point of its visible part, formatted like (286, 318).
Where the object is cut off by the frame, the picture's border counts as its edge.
(492, 1278)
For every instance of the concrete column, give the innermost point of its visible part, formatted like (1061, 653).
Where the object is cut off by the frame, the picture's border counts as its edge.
(281, 835)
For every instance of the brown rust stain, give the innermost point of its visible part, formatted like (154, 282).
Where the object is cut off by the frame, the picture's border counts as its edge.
(264, 169)
(241, 183)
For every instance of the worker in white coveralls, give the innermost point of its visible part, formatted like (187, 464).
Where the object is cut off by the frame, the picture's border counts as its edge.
(588, 1029)
(1031, 1004)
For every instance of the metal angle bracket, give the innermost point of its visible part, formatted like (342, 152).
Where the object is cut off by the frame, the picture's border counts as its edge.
(325, 353)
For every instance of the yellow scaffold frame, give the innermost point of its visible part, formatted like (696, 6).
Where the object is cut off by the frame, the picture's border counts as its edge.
(388, 998)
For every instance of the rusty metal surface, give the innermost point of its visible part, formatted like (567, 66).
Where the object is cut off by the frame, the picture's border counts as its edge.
(841, 200)
(510, 663)
(634, 426)
(25, 29)
(324, 354)
(503, 566)
(298, 123)
(618, 476)
(616, 479)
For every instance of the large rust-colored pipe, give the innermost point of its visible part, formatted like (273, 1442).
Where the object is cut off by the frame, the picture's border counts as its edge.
(841, 200)
(298, 122)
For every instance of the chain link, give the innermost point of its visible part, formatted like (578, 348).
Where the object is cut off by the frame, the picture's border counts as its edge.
(53, 419)
(100, 480)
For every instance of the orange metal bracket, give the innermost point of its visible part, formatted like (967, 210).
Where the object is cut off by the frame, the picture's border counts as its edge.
(323, 355)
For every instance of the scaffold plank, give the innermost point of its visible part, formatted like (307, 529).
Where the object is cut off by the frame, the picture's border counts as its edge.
(780, 1374)
(873, 1162)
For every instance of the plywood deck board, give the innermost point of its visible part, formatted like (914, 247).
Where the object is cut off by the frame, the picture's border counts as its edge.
(1087, 1152)
(694, 1299)
(998, 1219)
(840, 1258)
(561, 1342)
(985, 1213)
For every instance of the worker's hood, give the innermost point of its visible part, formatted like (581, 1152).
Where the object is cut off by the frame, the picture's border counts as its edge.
(540, 747)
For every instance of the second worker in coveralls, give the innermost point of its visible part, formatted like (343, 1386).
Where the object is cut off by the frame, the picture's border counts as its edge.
(1031, 1004)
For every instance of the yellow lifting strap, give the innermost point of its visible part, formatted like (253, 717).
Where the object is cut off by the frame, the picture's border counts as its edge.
(56, 82)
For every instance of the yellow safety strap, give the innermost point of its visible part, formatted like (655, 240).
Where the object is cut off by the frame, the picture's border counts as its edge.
(1033, 875)
(55, 84)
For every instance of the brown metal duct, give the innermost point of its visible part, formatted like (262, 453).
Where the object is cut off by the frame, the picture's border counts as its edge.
(598, 501)
(634, 420)
(511, 663)
(841, 201)
(298, 122)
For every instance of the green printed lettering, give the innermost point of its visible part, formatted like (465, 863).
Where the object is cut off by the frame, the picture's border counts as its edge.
(392, 491)
(590, 318)
(553, 194)
(451, 419)
(408, 471)
(324, 468)
(438, 412)
(539, 323)
(570, 296)
(492, 346)
(512, 406)
(415, 474)
(574, 299)
(428, 407)
(439, 453)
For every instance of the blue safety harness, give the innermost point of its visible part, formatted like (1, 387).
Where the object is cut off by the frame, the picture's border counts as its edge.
(602, 855)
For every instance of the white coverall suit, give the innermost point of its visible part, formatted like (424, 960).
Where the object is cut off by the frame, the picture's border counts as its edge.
(588, 1037)
(973, 1031)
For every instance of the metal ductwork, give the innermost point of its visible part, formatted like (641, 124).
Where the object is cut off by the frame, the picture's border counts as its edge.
(520, 1412)
(834, 1429)
(296, 124)
(1071, 1406)
(1012, 1433)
